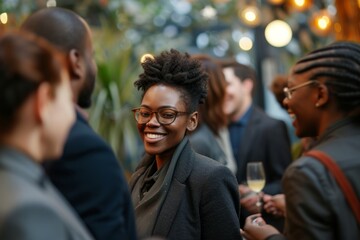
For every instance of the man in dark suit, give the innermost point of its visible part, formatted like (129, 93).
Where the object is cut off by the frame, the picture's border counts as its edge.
(254, 137)
(88, 174)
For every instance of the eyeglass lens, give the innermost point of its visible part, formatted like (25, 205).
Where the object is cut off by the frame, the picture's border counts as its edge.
(163, 116)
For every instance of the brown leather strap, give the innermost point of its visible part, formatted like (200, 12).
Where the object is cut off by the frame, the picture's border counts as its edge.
(340, 178)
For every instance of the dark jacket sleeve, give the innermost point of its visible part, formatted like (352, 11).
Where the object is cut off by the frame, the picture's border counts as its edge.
(90, 178)
(220, 204)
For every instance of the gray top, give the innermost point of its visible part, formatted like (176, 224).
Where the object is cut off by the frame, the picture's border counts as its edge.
(31, 208)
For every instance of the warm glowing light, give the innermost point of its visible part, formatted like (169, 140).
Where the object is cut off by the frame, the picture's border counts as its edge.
(300, 5)
(250, 15)
(277, 2)
(146, 56)
(4, 18)
(278, 33)
(321, 23)
(245, 43)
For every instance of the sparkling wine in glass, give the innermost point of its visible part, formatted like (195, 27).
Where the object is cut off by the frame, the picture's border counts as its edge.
(255, 178)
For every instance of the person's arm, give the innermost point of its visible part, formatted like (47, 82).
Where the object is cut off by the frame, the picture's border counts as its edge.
(307, 202)
(220, 206)
(33, 222)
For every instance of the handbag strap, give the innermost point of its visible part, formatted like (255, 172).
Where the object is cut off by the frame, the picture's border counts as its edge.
(341, 180)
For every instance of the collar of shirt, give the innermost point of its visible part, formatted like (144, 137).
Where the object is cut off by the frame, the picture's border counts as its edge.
(244, 119)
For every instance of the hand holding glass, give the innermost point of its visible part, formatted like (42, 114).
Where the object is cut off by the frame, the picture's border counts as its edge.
(255, 178)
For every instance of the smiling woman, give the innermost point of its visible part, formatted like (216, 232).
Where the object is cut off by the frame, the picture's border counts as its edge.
(177, 193)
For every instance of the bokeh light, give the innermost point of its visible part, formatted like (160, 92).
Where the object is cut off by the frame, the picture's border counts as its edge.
(245, 43)
(145, 56)
(4, 18)
(278, 33)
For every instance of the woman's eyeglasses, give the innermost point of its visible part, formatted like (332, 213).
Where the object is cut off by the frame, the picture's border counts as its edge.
(164, 116)
(289, 91)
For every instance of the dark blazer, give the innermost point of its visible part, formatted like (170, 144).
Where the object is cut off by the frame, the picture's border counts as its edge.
(264, 139)
(203, 141)
(30, 207)
(90, 178)
(202, 202)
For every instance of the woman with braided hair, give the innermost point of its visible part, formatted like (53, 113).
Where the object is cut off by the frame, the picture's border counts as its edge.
(177, 193)
(323, 97)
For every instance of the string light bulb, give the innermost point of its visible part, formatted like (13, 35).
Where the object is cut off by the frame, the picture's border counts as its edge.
(300, 5)
(278, 33)
(3, 18)
(321, 23)
(250, 16)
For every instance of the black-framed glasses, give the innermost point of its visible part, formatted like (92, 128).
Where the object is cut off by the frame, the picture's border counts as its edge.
(164, 116)
(289, 91)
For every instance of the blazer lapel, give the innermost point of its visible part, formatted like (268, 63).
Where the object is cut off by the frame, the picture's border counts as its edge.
(176, 191)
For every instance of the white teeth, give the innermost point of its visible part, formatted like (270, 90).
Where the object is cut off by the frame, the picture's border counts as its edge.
(293, 116)
(153, 136)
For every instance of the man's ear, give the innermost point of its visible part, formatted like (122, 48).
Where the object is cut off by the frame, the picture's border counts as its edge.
(43, 96)
(193, 121)
(248, 84)
(76, 66)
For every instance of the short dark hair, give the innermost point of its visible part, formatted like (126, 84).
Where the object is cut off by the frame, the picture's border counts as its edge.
(59, 26)
(339, 64)
(242, 71)
(175, 69)
(26, 61)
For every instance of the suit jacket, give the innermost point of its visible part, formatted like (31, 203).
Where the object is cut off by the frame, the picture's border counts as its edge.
(30, 206)
(264, 139)
(202, 201)
(315, 204)
(90, 178)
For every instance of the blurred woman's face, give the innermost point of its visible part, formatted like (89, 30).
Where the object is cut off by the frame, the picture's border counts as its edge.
(159, 139)
(59, 118)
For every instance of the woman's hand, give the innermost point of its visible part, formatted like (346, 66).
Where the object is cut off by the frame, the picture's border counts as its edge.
(275, 204)
(249, 199)
(256, 228)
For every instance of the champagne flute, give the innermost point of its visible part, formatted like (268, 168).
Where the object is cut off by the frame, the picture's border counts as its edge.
(255, 178)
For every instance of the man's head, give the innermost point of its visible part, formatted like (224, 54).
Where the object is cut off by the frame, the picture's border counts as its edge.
(70, 33)
(241, 80)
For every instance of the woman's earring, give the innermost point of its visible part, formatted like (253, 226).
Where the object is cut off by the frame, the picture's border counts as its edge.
(317, 105)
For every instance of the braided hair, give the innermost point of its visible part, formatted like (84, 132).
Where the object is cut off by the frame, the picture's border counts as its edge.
(339, 64)
(177, 70)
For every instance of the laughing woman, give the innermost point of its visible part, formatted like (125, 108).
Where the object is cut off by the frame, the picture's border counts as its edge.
(177, 193)
(323, 96)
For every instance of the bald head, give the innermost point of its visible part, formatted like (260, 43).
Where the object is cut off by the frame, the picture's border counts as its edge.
(71, 34)
(59, 26)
